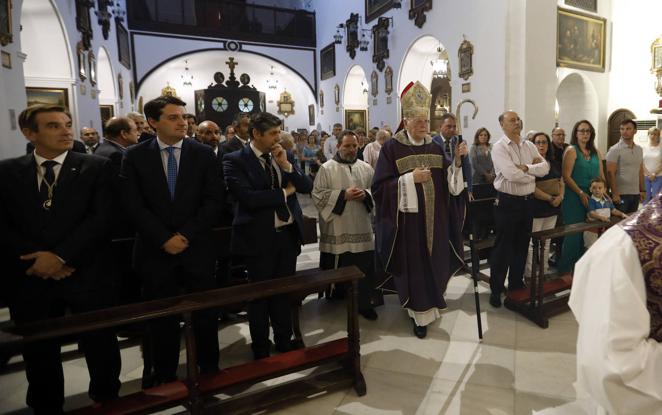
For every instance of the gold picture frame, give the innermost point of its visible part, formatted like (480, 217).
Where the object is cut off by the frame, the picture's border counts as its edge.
(47, 96)
(6, 35)
(82, 64)
(580, 40)
(356, 119)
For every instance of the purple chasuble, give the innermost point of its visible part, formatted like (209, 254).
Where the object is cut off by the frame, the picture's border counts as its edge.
(645, 230)
(420, 251)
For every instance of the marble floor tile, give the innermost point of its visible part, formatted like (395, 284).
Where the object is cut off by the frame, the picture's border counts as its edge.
(455, 398)
(389, 393)
(545, 373)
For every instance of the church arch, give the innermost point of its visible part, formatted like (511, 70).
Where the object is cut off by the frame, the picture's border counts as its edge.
(268, 75)
(49, 61)
(417, 65)
(577, 100)
(355, 93)
(106, 79)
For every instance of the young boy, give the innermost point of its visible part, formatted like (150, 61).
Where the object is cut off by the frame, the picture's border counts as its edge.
(599, 209)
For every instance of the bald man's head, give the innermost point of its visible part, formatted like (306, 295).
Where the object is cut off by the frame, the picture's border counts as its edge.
(209, 133)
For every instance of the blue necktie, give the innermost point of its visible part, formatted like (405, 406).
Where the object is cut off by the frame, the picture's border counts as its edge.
(172, 171)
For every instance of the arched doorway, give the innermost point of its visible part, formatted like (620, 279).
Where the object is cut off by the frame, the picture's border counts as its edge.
(267, 75)
(614, 125)
(355, 99)
(105, 82)
(577, 100)
(48, 68)
(422, 63)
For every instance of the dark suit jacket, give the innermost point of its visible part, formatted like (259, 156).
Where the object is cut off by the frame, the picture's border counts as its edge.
(466, 164)
(232, 145)
(76, 228)
(253, 223)
(194, 210)
(111, 151)
(122, 227)
(79, 147)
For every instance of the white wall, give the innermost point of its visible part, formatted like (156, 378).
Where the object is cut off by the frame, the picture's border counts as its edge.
(43, 55)
(477, 19)
(153, 50)
(354, 86)
(635, 26)
(12, 91)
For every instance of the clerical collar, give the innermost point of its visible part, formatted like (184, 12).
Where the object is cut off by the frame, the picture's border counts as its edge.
(414, 142)
(337, 158)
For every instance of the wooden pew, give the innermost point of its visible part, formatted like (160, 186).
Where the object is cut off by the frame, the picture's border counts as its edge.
(342, 355)
(541, 299)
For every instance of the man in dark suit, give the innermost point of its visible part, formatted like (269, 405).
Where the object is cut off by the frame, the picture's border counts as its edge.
(241, 134)
(54, 211)
(90, 137)
(268, 224)
(448, 141)
(172, 189)
(121, 132)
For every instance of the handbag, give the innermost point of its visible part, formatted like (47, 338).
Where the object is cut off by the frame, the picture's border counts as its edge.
(550, 186)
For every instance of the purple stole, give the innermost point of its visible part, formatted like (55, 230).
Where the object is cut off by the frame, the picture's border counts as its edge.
(645, 230)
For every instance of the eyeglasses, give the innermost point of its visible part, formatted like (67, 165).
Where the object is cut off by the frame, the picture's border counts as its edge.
(539, 143)
(584, 131)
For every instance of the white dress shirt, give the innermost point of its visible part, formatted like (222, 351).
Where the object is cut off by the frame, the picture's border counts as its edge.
(330, 147)
(277, 222)
(506, 156)
(42, 170)
(164, 153)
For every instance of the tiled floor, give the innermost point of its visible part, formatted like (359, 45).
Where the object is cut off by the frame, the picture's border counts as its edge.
(517, 368)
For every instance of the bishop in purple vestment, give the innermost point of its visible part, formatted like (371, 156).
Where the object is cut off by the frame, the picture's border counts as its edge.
(419, 216)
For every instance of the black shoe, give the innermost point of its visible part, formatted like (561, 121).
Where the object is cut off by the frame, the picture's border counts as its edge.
(284, 347)
(260, 354)
(369, 314)
(495, 300)
(420, 331)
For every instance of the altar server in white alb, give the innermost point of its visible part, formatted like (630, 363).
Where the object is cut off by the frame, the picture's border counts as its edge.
(617, 301)
(341, 193)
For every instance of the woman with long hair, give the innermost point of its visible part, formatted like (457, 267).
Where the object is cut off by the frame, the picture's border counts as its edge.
(547, 198)
(581, 163)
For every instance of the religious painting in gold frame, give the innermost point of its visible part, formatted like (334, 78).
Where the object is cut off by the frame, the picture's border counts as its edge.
(6, 35)
(580, 40)
(47, 96)
(356, 119)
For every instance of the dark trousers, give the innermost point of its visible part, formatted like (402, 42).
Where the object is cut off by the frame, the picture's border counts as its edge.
(163, 337)
(279, 262)
(43, 364)
(368, 295)
(629, 203)
(513, 218)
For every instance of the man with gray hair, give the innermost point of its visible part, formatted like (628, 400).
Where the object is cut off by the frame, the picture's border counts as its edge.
(139, 119)
(371, 150)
